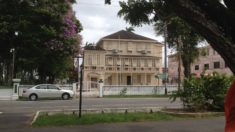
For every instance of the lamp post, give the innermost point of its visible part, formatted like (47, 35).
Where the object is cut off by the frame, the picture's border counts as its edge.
(12, 50)
(80, 90)
(13, 62)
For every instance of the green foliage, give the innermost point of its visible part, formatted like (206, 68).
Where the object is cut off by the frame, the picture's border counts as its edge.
(179, 34)
(123, 91)
(204, 93)
(181, 37)
(47, 39)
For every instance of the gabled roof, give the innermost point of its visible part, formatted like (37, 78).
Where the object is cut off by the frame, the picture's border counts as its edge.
(122, 34)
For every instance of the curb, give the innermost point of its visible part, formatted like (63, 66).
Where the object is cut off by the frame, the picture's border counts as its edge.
(103, 110)
(199, 114)
(35, 117)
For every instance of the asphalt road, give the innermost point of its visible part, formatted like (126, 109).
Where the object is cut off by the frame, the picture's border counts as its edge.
(33, 106)
(17, 115)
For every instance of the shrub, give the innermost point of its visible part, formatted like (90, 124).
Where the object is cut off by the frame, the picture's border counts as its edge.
(123, 91)
(204, 93)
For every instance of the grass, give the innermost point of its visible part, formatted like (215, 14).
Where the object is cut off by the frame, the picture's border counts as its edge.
(63, 120)
(136, 96)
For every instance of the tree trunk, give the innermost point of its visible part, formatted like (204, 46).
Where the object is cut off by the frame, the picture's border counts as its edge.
(213, 21)
(187, 68)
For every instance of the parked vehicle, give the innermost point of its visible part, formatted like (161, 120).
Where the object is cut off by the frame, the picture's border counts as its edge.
(47, 91)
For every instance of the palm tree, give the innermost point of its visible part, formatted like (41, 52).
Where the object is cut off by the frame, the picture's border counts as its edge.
(130, 29)
(183, 39)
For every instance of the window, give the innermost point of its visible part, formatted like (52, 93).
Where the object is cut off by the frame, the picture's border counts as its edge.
(110, 80)
(52, 87)
(118, 61)
(148, 79)
(129, 47)
(110, 61)
(41, 87)
(216, 65)
(138, 78)
(134, 62)
(93, 67)
(126, 62)
(206, 66)
(196, 67)
(94, 60)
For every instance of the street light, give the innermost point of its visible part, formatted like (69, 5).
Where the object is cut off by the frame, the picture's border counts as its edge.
(12, 50)
(16, 33)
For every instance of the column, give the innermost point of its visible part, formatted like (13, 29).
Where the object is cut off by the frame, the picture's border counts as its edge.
(101, 84)
(16, 84)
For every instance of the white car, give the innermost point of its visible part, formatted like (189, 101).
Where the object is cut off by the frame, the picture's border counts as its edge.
(47, 91)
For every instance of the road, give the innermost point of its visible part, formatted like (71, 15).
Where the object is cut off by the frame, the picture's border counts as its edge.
(33, 106)
(17, 115)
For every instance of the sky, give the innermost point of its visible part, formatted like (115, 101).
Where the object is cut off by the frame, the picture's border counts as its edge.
(99, 20)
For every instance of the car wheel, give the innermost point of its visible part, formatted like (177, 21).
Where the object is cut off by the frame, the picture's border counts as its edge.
(33, 97)
(65, 96)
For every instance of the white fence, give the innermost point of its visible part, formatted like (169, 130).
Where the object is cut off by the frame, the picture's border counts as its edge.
(90, 89)
(137, 90)
(5, 94)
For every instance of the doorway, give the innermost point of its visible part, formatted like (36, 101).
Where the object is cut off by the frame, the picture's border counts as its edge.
(94, 82)
(128, 80)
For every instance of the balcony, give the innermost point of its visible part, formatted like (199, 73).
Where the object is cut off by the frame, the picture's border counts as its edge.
(125, 69)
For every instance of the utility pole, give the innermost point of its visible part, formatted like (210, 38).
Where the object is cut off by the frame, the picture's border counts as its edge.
(165, 57)
(81, 85)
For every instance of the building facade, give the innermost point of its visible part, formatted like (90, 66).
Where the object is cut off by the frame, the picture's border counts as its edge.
(209, 61)
(123, 58)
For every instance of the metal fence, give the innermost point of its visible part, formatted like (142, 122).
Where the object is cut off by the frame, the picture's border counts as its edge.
(137, 90)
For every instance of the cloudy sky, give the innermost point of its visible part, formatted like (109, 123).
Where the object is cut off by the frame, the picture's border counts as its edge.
(100, 20)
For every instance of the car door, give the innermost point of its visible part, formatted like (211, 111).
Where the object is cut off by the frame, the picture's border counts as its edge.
(41, 91)
(53, 91)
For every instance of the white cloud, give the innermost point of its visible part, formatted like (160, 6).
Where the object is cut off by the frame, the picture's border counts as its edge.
(100, 20)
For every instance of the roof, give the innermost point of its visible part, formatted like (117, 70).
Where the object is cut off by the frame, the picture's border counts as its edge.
(93, 47)
(122, 34)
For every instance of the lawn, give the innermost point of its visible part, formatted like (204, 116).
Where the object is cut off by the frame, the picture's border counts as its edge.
(62, 119)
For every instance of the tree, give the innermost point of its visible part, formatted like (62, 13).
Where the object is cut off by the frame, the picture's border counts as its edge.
(130, 29)
(181, 37)
(47, 37)
(203, 16)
